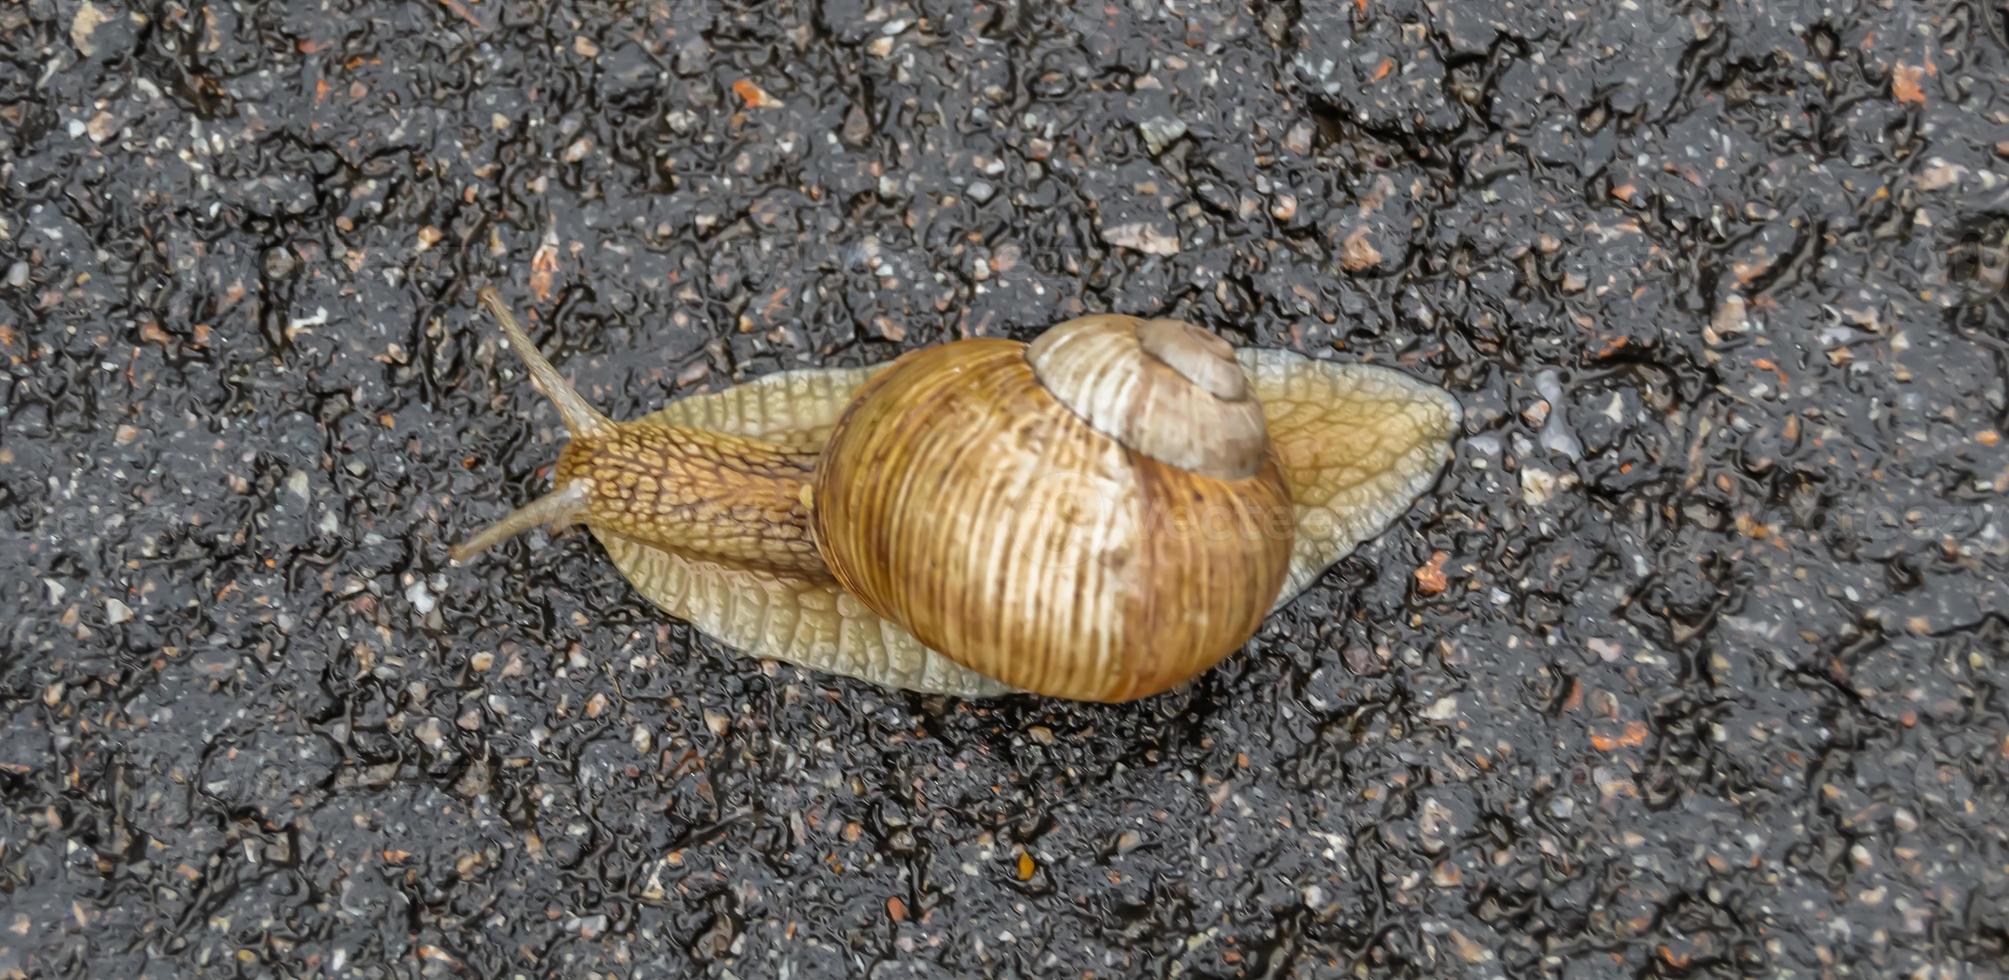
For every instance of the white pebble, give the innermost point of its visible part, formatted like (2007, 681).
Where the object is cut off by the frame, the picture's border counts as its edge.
(1442, 709)
(1538, 486)
(420, 597)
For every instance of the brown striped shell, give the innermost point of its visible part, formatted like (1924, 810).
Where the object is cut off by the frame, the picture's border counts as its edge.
(1098, 515)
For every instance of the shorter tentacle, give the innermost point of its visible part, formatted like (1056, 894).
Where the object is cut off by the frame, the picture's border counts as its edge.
(559, 508)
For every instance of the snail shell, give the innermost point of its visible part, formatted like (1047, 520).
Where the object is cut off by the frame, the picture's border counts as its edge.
(1081, 518)
(1101, 514)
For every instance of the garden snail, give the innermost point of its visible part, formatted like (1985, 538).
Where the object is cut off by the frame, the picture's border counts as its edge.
(1101, 515)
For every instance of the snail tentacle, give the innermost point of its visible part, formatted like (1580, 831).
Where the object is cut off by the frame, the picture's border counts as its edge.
(712, 496)
(564, 506)
(581, 418)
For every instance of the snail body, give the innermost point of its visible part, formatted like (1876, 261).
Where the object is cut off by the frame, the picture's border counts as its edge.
(1101, 515)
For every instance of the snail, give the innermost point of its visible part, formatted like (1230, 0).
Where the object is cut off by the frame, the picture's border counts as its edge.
(1102, 514)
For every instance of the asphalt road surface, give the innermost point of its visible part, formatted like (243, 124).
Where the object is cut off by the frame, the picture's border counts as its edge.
(1692, 664)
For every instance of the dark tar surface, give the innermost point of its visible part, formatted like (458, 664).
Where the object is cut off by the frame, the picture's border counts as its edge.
(1693, 664)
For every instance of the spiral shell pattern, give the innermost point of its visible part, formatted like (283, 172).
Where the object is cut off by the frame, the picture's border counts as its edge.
(1045, 541)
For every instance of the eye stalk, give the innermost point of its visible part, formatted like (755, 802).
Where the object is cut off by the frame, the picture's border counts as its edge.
(705, 495)
(567, 504)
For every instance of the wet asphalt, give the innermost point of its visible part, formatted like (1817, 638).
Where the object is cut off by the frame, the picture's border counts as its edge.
(1693, 663)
